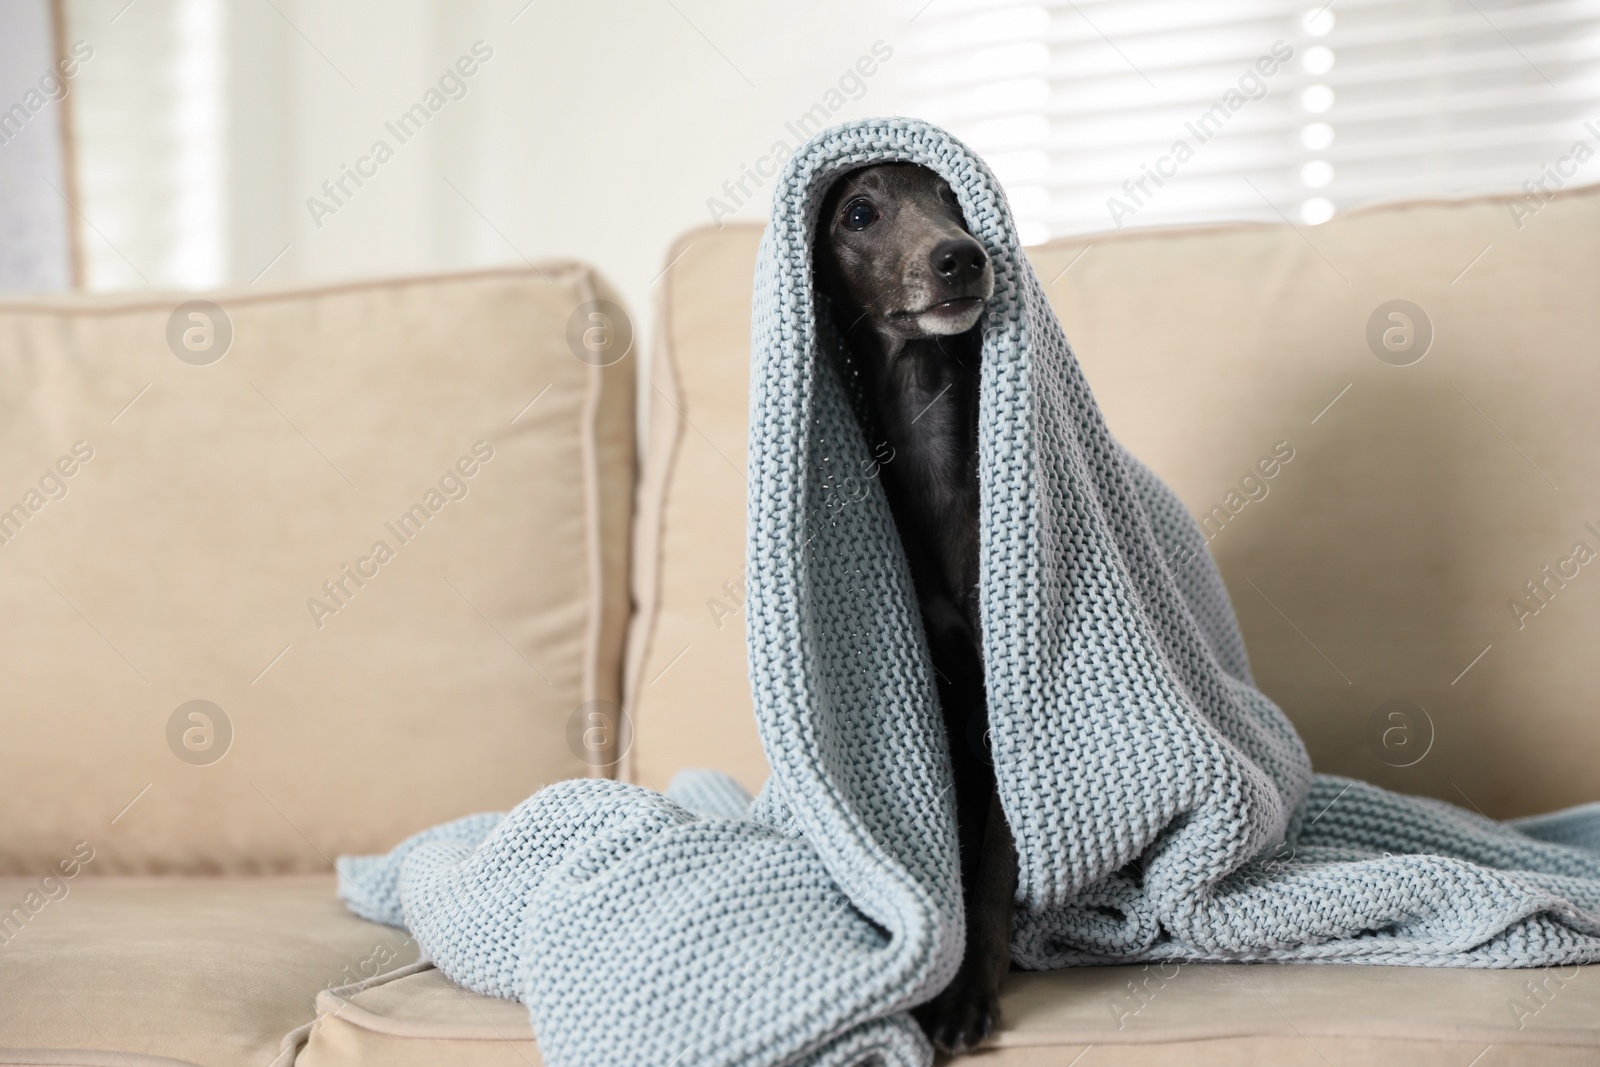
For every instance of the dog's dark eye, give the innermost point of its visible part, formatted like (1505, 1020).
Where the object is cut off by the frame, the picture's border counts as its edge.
(859, 214)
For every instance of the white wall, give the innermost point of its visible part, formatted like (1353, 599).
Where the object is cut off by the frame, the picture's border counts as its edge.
(597, 130)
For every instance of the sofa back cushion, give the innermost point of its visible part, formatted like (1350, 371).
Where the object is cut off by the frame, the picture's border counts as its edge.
(688, 690)
(285, 575)
(1385, 424)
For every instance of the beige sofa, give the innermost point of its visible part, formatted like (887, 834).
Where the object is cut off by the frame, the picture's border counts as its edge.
(166, 895)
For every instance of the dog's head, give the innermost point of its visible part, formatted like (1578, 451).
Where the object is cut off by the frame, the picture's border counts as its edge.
(894, 251)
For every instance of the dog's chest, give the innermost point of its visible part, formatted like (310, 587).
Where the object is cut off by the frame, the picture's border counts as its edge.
(928, 411)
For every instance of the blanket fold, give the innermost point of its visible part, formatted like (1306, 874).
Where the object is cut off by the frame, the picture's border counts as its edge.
(1163, 807)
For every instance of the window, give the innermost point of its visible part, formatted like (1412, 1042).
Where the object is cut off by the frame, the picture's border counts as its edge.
(1102, 114)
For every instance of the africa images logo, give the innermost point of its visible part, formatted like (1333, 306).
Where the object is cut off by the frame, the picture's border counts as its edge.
(453, 484)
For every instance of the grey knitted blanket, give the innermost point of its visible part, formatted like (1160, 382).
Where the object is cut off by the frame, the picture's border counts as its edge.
(1163, 808)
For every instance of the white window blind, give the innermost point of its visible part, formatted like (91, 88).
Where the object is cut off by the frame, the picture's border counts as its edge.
(1102, 114)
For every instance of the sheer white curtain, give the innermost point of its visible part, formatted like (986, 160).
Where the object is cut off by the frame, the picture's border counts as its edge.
(35, 220)
(1100, 114)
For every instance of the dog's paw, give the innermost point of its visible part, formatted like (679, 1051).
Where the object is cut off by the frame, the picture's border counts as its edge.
(960, 1017)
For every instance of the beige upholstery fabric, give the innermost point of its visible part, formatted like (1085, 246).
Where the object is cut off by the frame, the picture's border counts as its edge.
(1383, 558)
(1205, 1014)
(688, 688)
(1197, 1003)
(207, 971)
(1287, 1052)
(258, 972)
(198, 511)
(419, 1017)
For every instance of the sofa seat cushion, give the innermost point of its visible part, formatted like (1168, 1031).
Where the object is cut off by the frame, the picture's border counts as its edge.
(418, 1018)
(1293, 1014)
(210, 972)
(1279, 1014)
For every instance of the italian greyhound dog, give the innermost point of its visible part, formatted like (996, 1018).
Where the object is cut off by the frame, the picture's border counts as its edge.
(907, 284)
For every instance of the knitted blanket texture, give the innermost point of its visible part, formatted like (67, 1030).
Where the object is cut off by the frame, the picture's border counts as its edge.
(1163, 807)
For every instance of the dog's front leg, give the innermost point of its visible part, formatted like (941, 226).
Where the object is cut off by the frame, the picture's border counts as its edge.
(992, 900)
(968, 1009)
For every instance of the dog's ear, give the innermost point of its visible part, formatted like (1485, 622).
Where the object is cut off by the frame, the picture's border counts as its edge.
(824, 268)
(825, 281)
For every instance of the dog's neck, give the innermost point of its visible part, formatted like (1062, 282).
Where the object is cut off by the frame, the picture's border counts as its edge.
(924, 394)
(923, 388)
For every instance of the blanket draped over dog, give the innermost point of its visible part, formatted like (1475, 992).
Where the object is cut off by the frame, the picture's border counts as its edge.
(1163, 808)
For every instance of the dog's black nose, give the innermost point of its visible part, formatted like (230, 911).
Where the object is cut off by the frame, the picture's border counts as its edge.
(960, 259)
